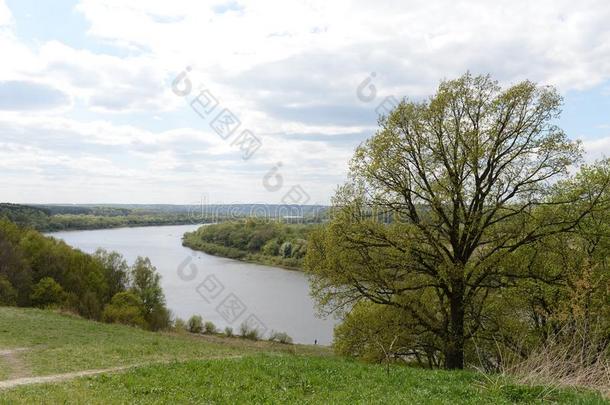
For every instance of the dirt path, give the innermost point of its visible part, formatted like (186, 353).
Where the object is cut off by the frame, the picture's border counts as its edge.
(56, 377)
(16, 365)
(15, 382)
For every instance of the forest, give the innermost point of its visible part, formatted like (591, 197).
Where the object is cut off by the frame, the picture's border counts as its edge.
(41, 271)
(61, 218)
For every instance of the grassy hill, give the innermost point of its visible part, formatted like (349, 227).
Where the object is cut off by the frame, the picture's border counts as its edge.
(170, 367)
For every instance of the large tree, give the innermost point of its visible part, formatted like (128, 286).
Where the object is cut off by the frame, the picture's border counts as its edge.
(437, 199)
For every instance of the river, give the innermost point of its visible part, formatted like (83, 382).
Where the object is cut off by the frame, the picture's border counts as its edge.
(224, 291)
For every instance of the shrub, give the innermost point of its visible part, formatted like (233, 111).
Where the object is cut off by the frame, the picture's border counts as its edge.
(209, 327)
(271, 248)
(125, 308)
(195, 324)
(159, 318)
(71, 302)
(8, 295)
(286, 249)
(281, 337)
(299, 249)
(248, 332)
(47, 292)
(256, 242)
(179, 325)
(89, 306)
(229, 331)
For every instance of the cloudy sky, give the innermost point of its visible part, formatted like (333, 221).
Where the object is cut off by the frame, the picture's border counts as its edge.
(91, 110)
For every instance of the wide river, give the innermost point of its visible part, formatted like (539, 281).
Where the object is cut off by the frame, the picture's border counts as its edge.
(224, 291)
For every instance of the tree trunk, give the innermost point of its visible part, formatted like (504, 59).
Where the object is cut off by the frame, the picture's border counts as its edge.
(454, 350)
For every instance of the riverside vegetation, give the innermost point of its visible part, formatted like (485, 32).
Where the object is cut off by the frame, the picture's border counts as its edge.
(260, 241)
(41, 271)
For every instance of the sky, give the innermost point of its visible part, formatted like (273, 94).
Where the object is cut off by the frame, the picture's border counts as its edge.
(146, 101)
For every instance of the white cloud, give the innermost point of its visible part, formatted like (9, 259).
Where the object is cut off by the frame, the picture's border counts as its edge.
(562, 42)
(282, 63)
(108, 83)
(61, 152)
(104, 83)
(18, 95)
(597, 148)
(288, 69)
(6, 18)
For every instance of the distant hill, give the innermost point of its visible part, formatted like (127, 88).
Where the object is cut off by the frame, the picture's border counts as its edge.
(57, 217)
(242, 210)
(25, 215)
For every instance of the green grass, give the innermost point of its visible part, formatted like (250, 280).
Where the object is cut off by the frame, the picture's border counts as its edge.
(5, 370)
(281, 379)
(63, 343)
(188, 369)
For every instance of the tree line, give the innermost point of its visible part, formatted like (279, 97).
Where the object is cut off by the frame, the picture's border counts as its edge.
(257, 240)
(53, 219)
(40, 271)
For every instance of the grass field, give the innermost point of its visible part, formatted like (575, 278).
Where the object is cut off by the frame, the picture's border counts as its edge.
(174, 368)
(62, 343)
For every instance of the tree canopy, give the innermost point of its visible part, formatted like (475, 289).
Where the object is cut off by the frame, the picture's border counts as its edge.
(37, 270)
(441, 198)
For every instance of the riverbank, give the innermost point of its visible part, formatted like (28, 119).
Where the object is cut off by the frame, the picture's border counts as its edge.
(256, 241)
(243, 256)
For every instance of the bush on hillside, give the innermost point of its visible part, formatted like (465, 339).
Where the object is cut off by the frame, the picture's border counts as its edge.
(47, 292)
(125, 308)
(195, 324)
(280, 337)
(248, 332)
(90, 306)
(179, 325)
(209, 327)
(159, 318)
(8, 295)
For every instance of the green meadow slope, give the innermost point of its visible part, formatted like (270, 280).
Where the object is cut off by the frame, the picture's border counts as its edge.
(183, 368)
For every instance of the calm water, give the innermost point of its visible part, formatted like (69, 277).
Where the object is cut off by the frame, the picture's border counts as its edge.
(278, 298)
